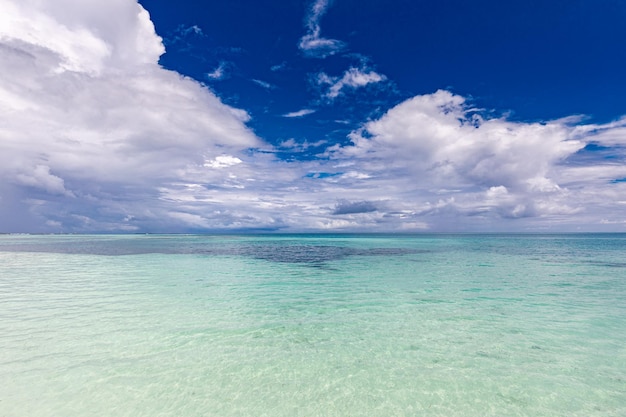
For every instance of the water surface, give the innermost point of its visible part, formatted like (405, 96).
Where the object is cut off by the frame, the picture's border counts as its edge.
(310, 325)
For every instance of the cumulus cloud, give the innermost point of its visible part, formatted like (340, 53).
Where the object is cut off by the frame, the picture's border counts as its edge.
(312, 43)
(449, 162)
(96, 136)
(223, 161)
(88, 115)
(437, 134)
(80, 36)
(40, 177)
(353, 78)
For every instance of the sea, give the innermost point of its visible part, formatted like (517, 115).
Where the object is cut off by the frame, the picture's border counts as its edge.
(313, 325)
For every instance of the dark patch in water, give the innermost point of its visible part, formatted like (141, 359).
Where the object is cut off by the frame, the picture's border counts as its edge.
(608, 264)
(280, 251)
(316, 254)
(472, 290)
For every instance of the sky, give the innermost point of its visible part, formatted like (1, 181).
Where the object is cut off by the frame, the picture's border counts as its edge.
(410, 116)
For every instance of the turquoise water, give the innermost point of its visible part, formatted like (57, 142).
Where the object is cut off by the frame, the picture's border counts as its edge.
(313, 325)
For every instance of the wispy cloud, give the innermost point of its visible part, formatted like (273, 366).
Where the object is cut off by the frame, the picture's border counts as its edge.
(352, 78)
(279, 67)
(299, 113)
(296, 146)
(182, 34)
(263, 84)
(218, 73)
(312, 43)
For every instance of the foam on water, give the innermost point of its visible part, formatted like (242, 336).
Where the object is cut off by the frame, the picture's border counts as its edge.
(313, 326)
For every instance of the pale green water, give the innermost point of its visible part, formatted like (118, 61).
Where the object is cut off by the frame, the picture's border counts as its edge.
(313, 326)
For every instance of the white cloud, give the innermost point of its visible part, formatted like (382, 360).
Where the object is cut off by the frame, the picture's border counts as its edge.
(263, 84)
(92, 126)
(352, 78)
(435, 133)
(608, 134)
(218, 73)
(501, 174)
(295, 146)
(223, 161)
(40, 177)
(312, 44)
(196, 29)
(85, 38)
(279, 67)
(96, 136)
(299, 113)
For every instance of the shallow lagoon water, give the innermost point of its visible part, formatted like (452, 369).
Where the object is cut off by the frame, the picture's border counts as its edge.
(310, 325)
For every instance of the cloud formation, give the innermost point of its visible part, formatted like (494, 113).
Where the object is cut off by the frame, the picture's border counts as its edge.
(91, 122)
(451, 162)
(312, 44)
(182, 34)
(347, 207)
(299, 113)
(80, 36)
(96, 136)
(263, 84)
(353, 78)
(218, 73)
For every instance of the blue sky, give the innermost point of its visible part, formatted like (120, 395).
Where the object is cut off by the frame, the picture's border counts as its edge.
(534, 60)
(312, 115)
